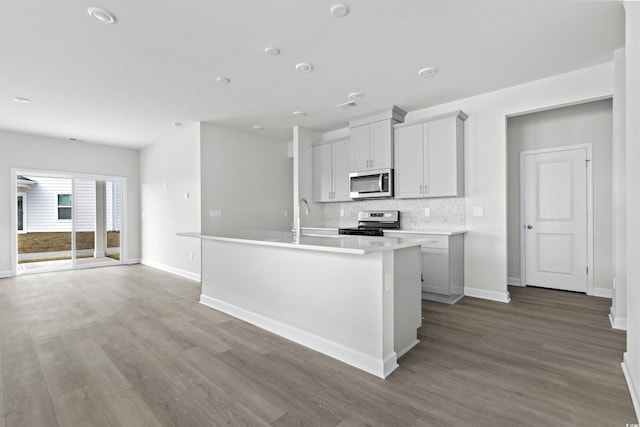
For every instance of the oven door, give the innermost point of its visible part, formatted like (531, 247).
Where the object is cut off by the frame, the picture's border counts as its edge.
(371, 184)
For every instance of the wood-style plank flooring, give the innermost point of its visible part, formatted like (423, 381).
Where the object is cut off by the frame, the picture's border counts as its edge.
(130, 346)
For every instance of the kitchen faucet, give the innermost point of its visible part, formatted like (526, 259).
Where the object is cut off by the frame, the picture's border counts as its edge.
(307, 211)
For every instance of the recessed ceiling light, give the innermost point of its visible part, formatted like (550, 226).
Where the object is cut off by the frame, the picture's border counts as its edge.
(258, 127)
(176, 124)
(355, 95)
(22, 100)
(427, 72)
(272, 51)
(102, 15)
(304, 67)
(339, 10)
(299, 114)
(223, 80)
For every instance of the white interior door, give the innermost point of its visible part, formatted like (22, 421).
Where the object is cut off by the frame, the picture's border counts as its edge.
(555, 219)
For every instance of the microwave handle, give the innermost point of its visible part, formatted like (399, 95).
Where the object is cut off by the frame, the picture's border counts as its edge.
(380, 181)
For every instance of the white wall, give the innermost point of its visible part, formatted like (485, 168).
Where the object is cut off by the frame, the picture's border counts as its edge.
(632, 357)
(589, 123)
(619, 207)
(169, 169)
(24, 151)
(247, 178)
(485, 162)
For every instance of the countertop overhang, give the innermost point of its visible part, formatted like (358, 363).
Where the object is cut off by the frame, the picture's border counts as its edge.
(347, 244)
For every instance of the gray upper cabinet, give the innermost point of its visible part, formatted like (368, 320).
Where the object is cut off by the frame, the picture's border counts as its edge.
(331, 165)
(429, 157)
(372, 140)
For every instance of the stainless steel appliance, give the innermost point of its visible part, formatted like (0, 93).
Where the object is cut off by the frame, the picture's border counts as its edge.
(371, 184)
(373, 223)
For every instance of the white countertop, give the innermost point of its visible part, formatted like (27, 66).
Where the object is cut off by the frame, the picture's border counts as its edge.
(440, 232)
(358, 245)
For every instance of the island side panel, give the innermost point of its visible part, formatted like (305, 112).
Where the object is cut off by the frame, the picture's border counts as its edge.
(407, 298)
(338, 298)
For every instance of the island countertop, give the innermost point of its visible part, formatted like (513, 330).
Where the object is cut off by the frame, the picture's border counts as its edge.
(358, 245)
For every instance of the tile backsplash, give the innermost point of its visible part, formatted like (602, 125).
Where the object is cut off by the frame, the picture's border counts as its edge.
(446, 213)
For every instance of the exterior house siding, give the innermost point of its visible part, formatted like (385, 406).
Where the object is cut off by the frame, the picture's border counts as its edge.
(42, 205)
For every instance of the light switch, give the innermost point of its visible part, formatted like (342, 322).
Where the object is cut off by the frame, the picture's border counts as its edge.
(165, 186)
(478, 211)
(186, 196)
(215, 213)
(342, 212)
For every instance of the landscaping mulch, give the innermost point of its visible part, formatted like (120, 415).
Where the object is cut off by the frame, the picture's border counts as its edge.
(29, 243)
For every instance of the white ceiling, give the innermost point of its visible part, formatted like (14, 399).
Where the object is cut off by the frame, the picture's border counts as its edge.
(125, 84)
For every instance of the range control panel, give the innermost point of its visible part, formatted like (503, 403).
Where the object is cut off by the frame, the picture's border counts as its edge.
(383, 216)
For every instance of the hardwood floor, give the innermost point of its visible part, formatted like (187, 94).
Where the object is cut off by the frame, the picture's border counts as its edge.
(130, 346)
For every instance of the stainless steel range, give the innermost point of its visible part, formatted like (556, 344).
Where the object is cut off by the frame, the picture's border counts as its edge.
(373, 223)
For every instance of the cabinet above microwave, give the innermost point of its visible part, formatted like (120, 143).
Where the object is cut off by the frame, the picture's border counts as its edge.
(372, 139)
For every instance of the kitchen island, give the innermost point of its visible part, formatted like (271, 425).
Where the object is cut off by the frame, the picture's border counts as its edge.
(354, 298)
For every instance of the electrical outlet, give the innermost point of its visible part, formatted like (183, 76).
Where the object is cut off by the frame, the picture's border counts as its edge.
(187, 196)
(165, 186)
(215, 213)
(342, 212)
(190, 256)
(286, 213)
(478, 211)
(427, 211)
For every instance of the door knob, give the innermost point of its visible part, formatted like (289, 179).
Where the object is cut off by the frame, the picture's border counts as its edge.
(529, 227)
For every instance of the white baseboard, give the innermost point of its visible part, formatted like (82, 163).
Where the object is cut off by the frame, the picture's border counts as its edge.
(378, 367)
(617, 322)
(6, 274)
(632, 383)
(513, 281)
(602, 293)
(133, 261)
(178, 272)
(490, 295)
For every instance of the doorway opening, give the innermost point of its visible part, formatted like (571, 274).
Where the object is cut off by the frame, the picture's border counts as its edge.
(587, 124)
(66, 221)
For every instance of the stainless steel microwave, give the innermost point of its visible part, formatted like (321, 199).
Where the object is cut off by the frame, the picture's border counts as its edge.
(371, 184)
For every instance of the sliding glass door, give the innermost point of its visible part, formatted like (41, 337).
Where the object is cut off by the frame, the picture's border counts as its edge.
(65, 222)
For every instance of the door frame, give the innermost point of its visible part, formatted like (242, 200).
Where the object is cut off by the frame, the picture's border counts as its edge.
(72, 176)
(589, 171)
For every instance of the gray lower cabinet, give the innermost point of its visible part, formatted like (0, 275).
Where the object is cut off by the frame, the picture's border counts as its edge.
(442, 266)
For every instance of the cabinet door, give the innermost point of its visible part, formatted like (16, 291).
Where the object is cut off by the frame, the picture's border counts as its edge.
(381, 145)
(341, 162)
(435, 271)
(441, 170)
(408, 172)
(321, 172)
(360, 148)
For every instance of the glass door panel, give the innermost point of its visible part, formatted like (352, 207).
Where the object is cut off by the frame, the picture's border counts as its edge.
(44, 223)
(113, 218)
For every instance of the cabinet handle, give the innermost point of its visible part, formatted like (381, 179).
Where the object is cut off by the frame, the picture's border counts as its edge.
(371, 163)
(421, 189)
(426, 186)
